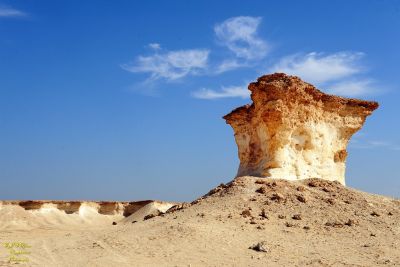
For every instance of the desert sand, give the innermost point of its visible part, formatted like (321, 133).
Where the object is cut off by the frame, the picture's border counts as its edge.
(310, 222)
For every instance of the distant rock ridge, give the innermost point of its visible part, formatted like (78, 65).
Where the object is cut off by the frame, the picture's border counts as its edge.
(294, 131)
(102, 207)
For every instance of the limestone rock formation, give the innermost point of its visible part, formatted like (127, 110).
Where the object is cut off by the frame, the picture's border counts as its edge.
(294, 131)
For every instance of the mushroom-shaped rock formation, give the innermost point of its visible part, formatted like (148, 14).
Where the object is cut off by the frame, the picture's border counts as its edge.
(294, 131)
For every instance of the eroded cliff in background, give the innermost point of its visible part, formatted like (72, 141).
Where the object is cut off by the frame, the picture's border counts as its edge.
(294, 131)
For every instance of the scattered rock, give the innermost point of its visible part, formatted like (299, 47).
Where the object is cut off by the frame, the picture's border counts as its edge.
(134, 221)
(280, 216)
(152, 215)
(306, 227)
(296, 217)
(288, 224)
(180, 206)
(301, 198)
(114, 223)
(313, 183)
(375, 214)
(262, 190)
(334, 224)
(246, 213)
(301, 188)
(330, 201)
(351, 222)
(390, 213)
(260, 227)
(372, 234)
(216, 190)
(263, 214)
(384, 261)
(260, 247)
(252, 221)
(277, 197)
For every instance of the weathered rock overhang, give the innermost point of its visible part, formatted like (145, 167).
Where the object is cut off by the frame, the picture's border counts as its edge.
(294, 131)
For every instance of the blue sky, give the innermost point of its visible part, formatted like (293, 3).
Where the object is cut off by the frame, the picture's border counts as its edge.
(122, 100)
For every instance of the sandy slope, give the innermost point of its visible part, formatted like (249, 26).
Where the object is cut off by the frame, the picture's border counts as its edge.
(307, 223)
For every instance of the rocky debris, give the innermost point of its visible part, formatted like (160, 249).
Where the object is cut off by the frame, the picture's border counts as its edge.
(260, 247)
(334, 224)
(246, 213)
(277, 197)
(301, 198)
(216, 190)
(294, 131)
(301, 188)
(289, 224)
(114, 223)
(351, 222)
(375, 214)
(152, 215)
(330, 201)
(179, 206)
(263, 214)
(262, 190)
(296, 217)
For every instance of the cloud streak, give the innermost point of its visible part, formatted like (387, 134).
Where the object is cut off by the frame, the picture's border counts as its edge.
(339, 73)
(225, 92)
(8, 12)
(239, 35)
(353, 88)
(319, 68)
(170, 65)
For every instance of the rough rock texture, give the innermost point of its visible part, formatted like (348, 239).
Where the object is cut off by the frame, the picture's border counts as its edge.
(294, 131)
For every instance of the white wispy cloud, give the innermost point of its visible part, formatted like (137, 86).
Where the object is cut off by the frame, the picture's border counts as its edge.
(239, 35)
(170, 65)
(9, 12)
(225, 92)
(155, 46)
(229, 64)
(337, 73)
(353, 88)
(320, 68)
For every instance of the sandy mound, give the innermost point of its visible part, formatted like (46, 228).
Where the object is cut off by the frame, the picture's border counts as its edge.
(249, 222)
